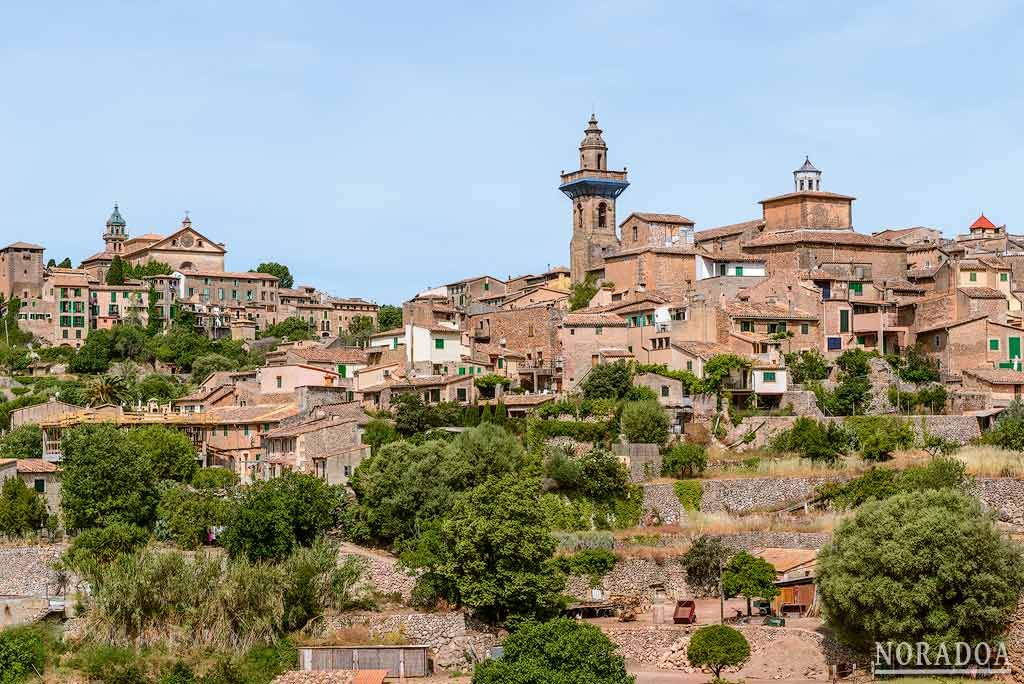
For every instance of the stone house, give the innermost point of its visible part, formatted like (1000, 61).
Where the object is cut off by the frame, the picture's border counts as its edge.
(728, 238)
(327, 445)
(21, 270)
(1002, 384)
(918, 236)
(37, 474)
(970, 343)
(584, 339)
(463, 293)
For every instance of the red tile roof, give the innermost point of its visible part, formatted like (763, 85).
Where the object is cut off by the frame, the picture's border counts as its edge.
(818, 194)
(593, 320)
(825, 237)
(998, 376)
(34, 466)
(982, 292)
(982, 222)
(659, 218)
(702, 350)
(724, 231)
(765, 310)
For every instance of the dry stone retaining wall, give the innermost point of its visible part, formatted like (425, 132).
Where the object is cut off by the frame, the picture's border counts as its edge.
(776, 653)
(1002, 495)
(960, 429)
(28, 570)
(750, 494)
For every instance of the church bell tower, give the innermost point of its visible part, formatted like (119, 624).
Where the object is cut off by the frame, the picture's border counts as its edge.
(116, 232)
(592, 190)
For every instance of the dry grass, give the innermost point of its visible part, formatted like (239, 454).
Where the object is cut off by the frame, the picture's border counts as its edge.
(990, 461)
(356, 635)
(725, 523)
(762, 464)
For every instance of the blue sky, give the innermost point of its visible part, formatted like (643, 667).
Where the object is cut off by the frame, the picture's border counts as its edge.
(379, 148)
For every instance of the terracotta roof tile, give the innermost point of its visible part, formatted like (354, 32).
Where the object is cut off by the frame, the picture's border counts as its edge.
(659, 218)
(828, 237)
(982, 292)
(806, 193)
(593, 320)
(998, 376)
(725, 231)
(765, 310)
(702, 350)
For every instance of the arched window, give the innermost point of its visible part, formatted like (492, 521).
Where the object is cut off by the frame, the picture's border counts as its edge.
(579, 214)
(602, 215)
(600, 158)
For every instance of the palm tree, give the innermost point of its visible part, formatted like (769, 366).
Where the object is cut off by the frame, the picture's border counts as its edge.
(107, 389)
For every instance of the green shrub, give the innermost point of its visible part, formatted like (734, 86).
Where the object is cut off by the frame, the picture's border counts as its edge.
(185, 515)
(882, 483)
(645, 422)
(103, 544)
(1008, 432)
(684, 460)
(22, 654)
(825, 441)
(717, 647)
(22, 509)
(879, 436)
(594, 563)
(806, 365)
(689, 493)
(214, 478)
(20, 391)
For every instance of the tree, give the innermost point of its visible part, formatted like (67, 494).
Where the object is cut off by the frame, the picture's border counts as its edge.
(51, 263)
(602, 477)
(274, 516)
(555, 652)
(22, 510)
(104, 479)
(412, 415)
(749, 576)
(94, 355)
(214, 478)
(806, 365)
(936, 555)
(608, 381)
(163, 388)
(207, 364)
(107, 389)
(717, 647)
(879, 436)
(359, 330)
(185, 515)
(718, 368)
(101, 545)
(487, 384)
(292, 328)
(582, 292)
(684, 459)
(494, 551)
(169, 453)
(825, 441)
(65, 263)
(378, 433)
(24, 441)
(130, 342)
(644, 422)
(115, 274)
(279, 271)
(1008, 432)
(389, 317)
(703, 563)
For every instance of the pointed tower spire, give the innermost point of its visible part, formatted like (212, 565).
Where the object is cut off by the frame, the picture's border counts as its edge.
(116, 232)
(807, 178)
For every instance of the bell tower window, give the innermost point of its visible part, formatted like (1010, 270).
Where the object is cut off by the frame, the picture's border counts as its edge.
(602, 215)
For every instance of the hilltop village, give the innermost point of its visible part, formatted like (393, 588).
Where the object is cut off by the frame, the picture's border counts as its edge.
(683, 411)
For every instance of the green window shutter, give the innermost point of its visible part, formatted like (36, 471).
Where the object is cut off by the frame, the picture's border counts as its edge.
(739, 270)
(860, 340)
(721, 269)
(857, 288)
(501, 363)
(689, 365)
(461, 394)
(782, 326)
(462, 370)
(342, 370)
(993, 345)
(844, 320)
(804, 328)
(1003, 277)
(769, 376)
(394, 343)
(439, 343)
(973, 277)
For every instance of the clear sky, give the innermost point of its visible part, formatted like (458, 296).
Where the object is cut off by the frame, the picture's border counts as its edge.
(378, 148)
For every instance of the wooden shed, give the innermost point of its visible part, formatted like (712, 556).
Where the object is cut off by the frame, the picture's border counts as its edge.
(399, 661)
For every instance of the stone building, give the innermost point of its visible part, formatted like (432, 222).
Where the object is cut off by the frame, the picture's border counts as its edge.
(21, 270)
(593, 189)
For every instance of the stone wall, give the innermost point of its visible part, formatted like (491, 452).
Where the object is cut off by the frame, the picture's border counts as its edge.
(776, 652)
(960, 429)
(750, 494)
(383, 574)
(761, 428)
(28, 571)
(643, 461)
(661, 503)
(1002, 495)
(453, 645)
(804, 403)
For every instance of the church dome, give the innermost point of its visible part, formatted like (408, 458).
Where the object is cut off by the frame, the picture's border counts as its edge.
(116, 220)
